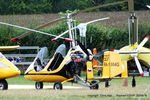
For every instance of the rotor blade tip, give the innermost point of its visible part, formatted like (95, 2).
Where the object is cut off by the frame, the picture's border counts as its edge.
(112, 50)
(14, 40)
(53, 40)
(68, 40)
(147, 37)
(142, 74)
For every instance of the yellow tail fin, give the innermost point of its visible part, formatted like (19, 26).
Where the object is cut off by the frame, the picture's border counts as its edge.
(112, 65)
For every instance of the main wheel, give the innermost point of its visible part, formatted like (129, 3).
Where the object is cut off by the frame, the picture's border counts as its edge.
(58, 86)
(39, 85)
(96, 86)
(133, 82)
(107, 84)
(3, 85)
(99, 73)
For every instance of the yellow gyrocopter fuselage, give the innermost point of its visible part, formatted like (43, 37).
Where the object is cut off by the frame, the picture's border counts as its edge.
(7, 69)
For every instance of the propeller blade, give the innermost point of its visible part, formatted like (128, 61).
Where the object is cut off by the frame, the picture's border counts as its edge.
(100, 6)
(97, 60)
(39, 27)
(83, 48)
(138, 66)
(143, 42)
(98, 54)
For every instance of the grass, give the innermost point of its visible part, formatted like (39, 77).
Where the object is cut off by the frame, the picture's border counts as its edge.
(20, 80)
(115, 91)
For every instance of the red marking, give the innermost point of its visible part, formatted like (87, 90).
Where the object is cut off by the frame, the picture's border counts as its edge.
(112, 50)
(147, 37)
(77, 60)
(142, 74)
(68, 40)
(14, 40)
(54, 39)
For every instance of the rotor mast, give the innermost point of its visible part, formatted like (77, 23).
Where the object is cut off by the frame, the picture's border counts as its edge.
(132, 24)
(71, 35)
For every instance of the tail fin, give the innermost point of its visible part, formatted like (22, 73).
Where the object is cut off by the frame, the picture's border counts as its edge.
(112, 65)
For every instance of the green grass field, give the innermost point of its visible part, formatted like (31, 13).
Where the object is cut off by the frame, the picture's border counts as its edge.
(115, 92)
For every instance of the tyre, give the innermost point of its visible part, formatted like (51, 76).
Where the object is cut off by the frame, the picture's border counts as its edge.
(99, 73)
(96, 86)
(39, 85)
(107, 84)
(57, 86)
(133, 82)
(3, 85)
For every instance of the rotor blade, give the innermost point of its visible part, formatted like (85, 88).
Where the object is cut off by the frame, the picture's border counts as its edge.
(143, 42)
(77, 27)
(32, 30)
(39, 27)
(138, 66)
(59, 36)
(97, 20)
(100, 6)
(148, 6)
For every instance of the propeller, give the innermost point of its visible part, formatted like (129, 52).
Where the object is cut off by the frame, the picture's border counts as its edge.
(135, 53)
(63, 18)
(90, 55)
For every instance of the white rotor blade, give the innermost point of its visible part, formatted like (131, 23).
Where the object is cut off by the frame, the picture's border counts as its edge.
(59, 36)
(148, 6)
(142, 43)
(97, 20)
(138, 66)
(29, 29)
(80, 24)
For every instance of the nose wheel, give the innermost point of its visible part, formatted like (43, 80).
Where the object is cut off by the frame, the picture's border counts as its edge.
(58, 86)
(3, 85)
(96, 86)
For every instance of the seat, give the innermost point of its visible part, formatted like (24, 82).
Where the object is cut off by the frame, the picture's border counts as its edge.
(58, 58)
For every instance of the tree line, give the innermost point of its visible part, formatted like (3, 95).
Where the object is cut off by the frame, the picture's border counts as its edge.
(8, 7)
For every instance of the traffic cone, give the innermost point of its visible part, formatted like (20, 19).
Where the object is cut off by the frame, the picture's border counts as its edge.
(125, 83)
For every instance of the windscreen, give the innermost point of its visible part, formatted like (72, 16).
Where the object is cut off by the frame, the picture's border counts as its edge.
(61, 49)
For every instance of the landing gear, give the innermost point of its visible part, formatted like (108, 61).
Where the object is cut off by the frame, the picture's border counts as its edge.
(96, 86)
(107, 84)
(99, 72)
(133, 82)
(58, 86)
(39, 85)
(3, 84)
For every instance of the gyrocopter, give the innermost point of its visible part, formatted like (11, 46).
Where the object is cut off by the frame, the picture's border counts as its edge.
(7, 68)
(64, 67)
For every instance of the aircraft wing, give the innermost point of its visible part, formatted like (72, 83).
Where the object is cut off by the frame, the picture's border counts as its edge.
(9, 47)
